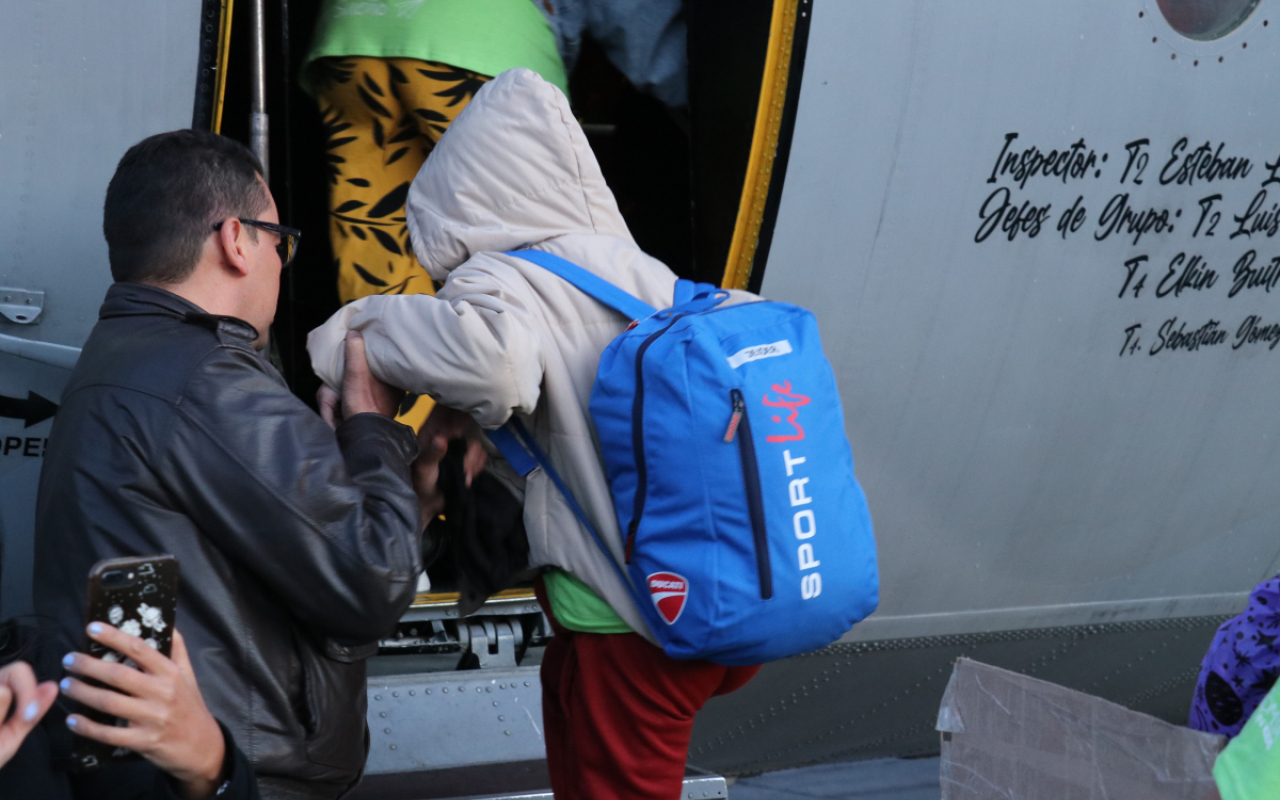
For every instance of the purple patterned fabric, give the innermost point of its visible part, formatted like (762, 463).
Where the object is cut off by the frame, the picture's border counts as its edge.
(1241, 666)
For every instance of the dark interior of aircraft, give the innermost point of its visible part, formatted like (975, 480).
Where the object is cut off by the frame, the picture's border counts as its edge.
(677, 173)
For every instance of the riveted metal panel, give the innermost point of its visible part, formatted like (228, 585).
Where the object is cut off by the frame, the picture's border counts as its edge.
(476, 733)
(862, 700)
(452, 719)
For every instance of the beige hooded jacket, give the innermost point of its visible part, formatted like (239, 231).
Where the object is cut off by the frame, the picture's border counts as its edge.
(505, 336)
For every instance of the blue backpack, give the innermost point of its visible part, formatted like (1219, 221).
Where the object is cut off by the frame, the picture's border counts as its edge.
(747, 538)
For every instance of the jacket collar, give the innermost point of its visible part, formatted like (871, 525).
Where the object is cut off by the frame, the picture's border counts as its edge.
(140, 299)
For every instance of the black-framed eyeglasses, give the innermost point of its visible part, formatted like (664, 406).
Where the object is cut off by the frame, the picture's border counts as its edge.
(289, 237)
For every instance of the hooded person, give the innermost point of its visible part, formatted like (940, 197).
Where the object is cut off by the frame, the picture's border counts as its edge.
(505, 337)
(1241, 665)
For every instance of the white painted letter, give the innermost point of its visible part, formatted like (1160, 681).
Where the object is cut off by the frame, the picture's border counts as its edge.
(811, 585)
(791, 462)
(801, 532)
(798, 497)
(807, 561)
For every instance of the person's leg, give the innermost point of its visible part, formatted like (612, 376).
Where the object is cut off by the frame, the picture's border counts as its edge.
(381, 119)
(557, 674)
(433, 94)
(735, 678)
(632, 710)
(374, 150)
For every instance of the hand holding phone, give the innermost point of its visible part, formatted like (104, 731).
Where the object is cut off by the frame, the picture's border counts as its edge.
(167, 721)
(139, 596)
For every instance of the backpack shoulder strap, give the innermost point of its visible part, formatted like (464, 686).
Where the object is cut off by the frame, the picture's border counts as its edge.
(520, 450)
(604, 292)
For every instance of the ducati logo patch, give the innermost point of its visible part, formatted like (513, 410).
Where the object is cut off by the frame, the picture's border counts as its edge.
(668, 591)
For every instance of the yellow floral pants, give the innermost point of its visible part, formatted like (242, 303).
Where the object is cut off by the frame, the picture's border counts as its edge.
(381, 118)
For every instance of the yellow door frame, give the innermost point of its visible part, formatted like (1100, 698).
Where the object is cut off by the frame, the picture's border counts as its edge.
(764, 145)
(224, 50)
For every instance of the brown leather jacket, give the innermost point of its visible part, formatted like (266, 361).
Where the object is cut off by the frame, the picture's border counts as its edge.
(297, 547)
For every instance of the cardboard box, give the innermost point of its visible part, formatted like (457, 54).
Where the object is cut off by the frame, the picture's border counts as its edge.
(1008, 736)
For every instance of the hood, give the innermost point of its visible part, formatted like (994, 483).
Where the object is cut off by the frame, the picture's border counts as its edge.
(513, 169)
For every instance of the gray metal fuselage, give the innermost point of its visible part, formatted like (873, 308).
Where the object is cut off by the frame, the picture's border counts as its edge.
(1040, 240)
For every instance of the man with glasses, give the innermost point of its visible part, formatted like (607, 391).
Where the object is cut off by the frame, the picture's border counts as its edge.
(298, 543)
(287, 244)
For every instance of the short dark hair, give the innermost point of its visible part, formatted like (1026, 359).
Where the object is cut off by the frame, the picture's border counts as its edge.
(166, 195)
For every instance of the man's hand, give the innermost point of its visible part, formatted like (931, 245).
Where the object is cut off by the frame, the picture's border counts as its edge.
(330, 404)
(18, 688)
(442, 426)
(362, 393)
(169, 724)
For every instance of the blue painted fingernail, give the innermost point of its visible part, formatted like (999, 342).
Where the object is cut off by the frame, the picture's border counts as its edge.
(71, 722)
(32, 709)
(64, 684)
(68, 659)
(95, 628)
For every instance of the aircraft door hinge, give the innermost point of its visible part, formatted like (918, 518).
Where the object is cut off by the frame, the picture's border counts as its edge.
(22, 306)
(489, 642)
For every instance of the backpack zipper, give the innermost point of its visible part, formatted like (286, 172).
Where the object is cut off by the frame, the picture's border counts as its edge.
(751, 482)
(637, 440)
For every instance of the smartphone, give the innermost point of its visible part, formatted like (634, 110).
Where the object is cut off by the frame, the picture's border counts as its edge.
(138, 595)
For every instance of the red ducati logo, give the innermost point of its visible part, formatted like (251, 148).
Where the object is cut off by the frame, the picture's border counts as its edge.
(668, 591)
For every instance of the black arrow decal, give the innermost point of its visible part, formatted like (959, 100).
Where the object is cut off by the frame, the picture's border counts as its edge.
(32, 410)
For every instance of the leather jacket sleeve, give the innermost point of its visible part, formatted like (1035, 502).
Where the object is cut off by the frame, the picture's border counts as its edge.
(329, 523)
(237, 781)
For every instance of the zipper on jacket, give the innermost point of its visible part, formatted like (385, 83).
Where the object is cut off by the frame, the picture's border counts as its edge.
(637, 440)
(751, 482)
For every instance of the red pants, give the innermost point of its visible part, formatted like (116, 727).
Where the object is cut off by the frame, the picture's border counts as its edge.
(618, 713)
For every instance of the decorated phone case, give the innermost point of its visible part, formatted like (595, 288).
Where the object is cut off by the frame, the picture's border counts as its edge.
(138, 595)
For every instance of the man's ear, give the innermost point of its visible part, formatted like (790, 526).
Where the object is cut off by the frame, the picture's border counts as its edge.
(233, 237)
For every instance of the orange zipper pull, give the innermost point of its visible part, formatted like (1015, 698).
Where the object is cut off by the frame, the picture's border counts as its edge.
(739, 408)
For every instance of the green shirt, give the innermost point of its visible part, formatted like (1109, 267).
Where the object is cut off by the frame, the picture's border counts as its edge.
(577, 607)
(484, 36)
(1250, 766)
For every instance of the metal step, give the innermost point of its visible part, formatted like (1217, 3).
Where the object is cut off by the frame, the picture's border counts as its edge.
(474, 734)
(426, 786)
(698, 788)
